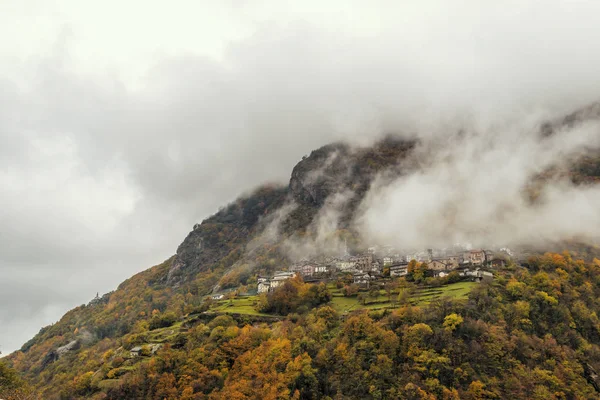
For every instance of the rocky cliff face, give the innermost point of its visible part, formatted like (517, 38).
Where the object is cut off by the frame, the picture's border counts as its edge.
(326, 171)
(223, 235)
(337, 167)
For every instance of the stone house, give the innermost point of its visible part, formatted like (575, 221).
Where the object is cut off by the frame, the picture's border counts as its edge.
(136, 351)
(363, 262)
(296, 268)
(478, 275)
(376, 267)
(497, 262)
(489, 255)
(307, 270)
(269, 284)
(279, 278)
(361, 278)
(304, 268)
(264, 284)
(453, 260)
(438, 265)
(475, 257)
(344, 265)
(399, 270)
(149, 349)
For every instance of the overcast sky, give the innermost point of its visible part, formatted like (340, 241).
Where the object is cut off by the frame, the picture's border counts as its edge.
(123, 123)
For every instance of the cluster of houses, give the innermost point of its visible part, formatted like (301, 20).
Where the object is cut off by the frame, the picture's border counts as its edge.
(442, 265)
(367, 266)
(359, 263)
(270, 284)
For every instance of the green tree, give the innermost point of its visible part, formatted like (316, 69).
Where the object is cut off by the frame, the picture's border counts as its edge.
(8, 378)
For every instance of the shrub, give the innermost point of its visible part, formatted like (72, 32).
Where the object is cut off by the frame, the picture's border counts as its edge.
(162, 320)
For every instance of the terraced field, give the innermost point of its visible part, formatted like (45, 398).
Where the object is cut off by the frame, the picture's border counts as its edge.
(459, 290)
(238, 305)
(342, 304)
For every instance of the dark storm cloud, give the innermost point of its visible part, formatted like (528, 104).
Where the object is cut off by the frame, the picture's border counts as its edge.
(99, 180)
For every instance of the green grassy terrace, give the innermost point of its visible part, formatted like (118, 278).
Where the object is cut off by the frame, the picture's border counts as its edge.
(342, 304)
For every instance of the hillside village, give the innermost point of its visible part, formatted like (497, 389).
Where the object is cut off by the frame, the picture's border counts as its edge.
(377, 263)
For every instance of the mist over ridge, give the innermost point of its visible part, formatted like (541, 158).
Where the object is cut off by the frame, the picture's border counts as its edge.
(509, 184)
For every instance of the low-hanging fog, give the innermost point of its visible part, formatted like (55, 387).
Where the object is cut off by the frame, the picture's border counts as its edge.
(476, 187)
(484, 185)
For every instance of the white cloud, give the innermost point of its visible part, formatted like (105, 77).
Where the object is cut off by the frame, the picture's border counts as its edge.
(472, 189)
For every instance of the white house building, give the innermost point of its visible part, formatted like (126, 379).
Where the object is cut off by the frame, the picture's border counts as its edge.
(399, 270)
(362, 278)
(269, 284)
(321, 269)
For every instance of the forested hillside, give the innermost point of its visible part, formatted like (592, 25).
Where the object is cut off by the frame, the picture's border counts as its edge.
(530, 332)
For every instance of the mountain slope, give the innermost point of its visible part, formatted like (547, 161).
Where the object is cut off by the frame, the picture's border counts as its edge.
(539, 314)
(179, 284)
